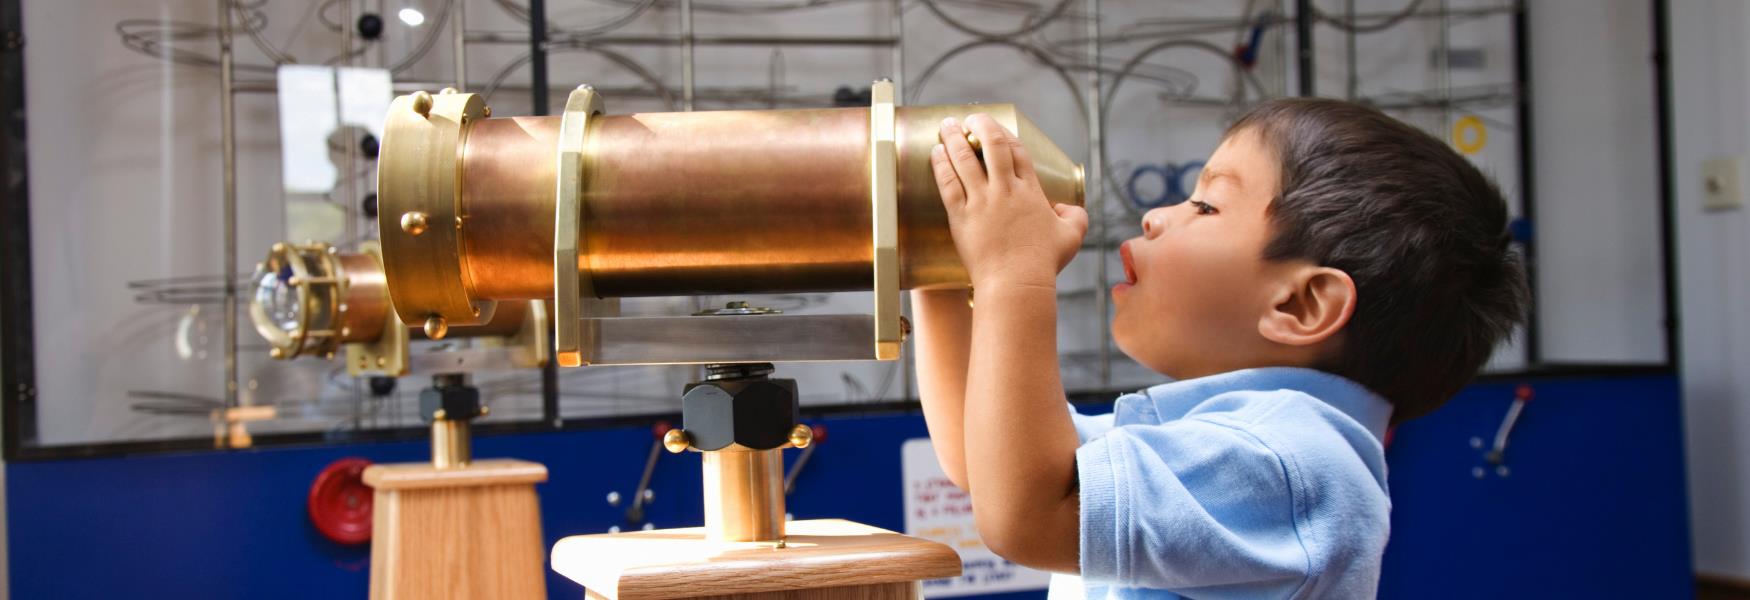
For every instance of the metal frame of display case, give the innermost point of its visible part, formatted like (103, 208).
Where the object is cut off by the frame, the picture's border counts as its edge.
(18, 396)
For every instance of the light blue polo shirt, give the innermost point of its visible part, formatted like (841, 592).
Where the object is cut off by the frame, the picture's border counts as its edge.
(1262, 483)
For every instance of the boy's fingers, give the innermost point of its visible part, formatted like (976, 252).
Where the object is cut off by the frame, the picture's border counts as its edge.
(961, 155)
(999, 159)
(947, 182)
(1076, 216)
(1023, 162)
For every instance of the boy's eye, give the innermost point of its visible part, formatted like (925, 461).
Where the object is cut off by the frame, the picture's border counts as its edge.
(1203, 208)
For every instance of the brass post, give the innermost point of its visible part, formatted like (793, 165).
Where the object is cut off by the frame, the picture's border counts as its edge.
(450, 443)
(744, 495)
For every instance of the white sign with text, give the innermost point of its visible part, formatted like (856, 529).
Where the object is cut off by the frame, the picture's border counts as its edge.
(937, 510)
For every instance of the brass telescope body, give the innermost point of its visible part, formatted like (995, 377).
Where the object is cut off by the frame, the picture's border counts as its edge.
(773, 201)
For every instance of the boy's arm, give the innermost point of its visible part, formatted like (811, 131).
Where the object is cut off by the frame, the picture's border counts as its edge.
(943, 344)
(1020, 444)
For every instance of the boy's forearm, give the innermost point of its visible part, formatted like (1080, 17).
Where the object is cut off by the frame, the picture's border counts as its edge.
(1020, 442)
(943, 345)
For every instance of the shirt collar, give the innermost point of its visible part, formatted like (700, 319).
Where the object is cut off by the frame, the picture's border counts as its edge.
(1175, 399)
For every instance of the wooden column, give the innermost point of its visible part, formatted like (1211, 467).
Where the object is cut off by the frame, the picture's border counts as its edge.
(466, 532)
(818, 560)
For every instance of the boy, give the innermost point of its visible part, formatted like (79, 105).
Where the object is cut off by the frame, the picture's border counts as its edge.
(1335, 271)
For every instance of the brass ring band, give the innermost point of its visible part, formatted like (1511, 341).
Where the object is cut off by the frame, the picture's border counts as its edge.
(420, 200)
(570, 287)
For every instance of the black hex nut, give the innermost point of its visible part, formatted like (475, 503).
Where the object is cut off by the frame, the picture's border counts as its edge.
(457, 402)
(756, 414)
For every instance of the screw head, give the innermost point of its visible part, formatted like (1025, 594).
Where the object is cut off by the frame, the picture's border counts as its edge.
(413, 222)
(422, 104)
(801, 436)
(276, 353)
(676, 440)
(447, 91)
(436, 327)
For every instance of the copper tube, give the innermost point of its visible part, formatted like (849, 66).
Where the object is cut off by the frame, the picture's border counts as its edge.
(744, 495)
(717, 202)
(451, 446)
(507, 222)
(365, 307)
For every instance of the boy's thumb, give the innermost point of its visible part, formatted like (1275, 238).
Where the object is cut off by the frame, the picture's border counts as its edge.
(1074, 214)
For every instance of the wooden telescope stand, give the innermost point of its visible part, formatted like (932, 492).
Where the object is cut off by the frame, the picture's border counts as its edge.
(746, 550)
(456, 528)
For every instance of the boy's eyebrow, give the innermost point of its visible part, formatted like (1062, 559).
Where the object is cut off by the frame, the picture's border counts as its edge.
(1209, 175)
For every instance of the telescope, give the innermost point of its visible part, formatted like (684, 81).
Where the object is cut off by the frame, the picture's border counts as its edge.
(585, 208)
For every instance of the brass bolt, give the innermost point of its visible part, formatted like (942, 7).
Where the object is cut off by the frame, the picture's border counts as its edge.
(276, 353)
(413, 222)
(438, 415)
(422, 103)
(676, 441)
(446, 91)
(486, 111)
(972, 139)
(382, 361)
(801, 436)
(485, 410)
(904, 328)
(436, 327)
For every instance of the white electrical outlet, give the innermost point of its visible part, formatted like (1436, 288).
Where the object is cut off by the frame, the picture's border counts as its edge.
(1722, 183)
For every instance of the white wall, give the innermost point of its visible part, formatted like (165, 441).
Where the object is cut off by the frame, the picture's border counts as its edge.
(1711, 114)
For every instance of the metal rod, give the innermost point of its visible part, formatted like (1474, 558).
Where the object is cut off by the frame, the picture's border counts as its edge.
(459, 33)
(538, 57)
(491, 37)
(687, 55)
(228, 151)
(1303, 32)
(349, 230)
(1095, 196)
(898, 43)
(1446, 72)
(1354, 76)
(1527, 177)
(1667, 178)
(538, 94)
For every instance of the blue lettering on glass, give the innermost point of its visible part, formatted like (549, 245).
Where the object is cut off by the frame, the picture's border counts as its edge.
(1173, 187)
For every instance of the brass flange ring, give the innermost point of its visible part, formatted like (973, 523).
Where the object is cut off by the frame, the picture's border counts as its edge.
(570, 288)
(420, 200)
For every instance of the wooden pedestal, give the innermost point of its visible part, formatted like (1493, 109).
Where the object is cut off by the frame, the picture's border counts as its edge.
(468, 532)
(824, 559)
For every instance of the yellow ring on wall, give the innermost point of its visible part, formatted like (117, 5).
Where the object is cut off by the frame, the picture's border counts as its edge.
(1469, 135)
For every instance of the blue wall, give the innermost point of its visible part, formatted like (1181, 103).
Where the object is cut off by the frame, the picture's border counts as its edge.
(1593, 507)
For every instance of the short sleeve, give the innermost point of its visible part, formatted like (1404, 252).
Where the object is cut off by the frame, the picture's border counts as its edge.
(1089, 426)
(1188, 505)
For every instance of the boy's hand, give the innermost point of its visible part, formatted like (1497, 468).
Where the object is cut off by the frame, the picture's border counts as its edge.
(1004, 228)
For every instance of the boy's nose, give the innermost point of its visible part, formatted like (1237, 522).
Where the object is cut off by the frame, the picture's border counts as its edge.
(1152, 222)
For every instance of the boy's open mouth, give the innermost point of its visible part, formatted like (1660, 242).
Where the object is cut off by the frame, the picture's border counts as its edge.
(1129, 267)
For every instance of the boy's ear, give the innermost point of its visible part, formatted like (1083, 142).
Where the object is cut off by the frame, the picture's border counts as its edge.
(1312, 306)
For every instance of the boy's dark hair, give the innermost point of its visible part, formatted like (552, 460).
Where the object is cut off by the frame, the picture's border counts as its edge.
(1421, 231)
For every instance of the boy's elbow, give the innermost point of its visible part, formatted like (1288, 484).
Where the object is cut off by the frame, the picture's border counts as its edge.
(1047, 541)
